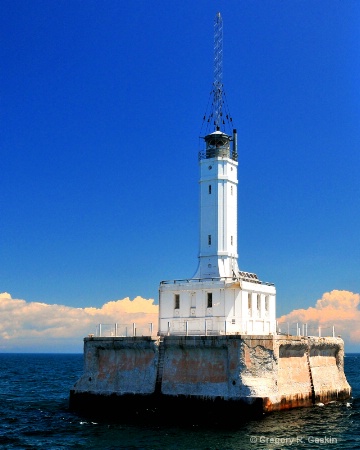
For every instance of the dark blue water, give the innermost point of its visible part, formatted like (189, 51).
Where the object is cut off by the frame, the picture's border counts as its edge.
(34, 391)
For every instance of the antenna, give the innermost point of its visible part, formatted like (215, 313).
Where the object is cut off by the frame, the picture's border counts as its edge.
(218, 71)
(217, 116)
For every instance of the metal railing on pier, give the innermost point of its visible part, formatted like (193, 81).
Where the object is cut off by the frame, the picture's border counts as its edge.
(213, 328)
(124, 330)
(302, 329)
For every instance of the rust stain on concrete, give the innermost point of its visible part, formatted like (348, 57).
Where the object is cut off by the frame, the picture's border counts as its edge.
(111, 362)
(193, 366)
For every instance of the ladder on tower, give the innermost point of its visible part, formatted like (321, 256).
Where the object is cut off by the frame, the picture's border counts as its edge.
(160, 366)
(313, 396)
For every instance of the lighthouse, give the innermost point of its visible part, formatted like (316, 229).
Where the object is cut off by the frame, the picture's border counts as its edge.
(217, 354)
(218, 207)
(219, 298)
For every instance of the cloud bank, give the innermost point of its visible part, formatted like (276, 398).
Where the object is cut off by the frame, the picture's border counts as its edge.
(336, 308)
(40, 327)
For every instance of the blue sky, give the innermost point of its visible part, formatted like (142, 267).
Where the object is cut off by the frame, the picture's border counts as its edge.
(101, 111)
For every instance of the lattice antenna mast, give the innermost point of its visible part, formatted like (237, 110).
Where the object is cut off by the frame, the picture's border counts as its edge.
(217, 112)
(218, 71)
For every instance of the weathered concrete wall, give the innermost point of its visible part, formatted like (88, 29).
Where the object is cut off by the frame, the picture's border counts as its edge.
(309, 370)
(195, 366)
(327, 368)
(119, 365)
(259, 366)
(294, 380)
(277, 372)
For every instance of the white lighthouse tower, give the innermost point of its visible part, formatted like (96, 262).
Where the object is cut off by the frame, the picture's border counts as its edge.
(219, 298)
(218, 207)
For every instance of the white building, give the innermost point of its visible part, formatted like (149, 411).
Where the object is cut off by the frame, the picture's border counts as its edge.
(219, 299)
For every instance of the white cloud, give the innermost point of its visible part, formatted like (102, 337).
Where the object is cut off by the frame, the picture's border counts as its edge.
(336, 308)
(35, 326)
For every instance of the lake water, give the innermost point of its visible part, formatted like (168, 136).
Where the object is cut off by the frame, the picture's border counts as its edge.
(34, 414)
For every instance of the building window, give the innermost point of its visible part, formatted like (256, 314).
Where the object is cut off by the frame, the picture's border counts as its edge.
(232, 240)
(209, 300)
(231, 190)
(258, 300)
(267, 303)
(209, 239)
(250, 303)
(177, 301)
(209, 188)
